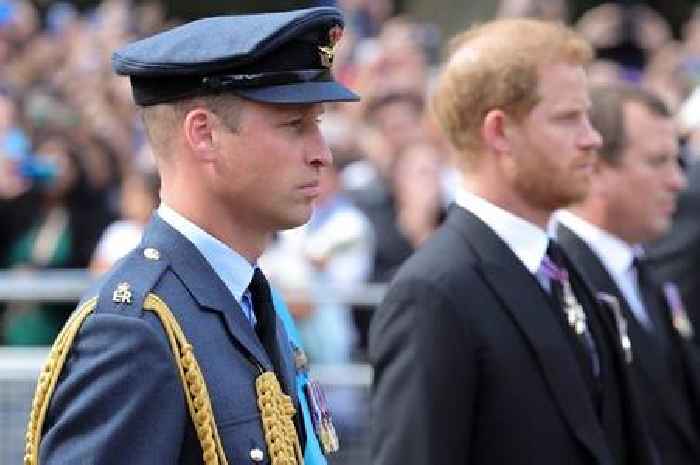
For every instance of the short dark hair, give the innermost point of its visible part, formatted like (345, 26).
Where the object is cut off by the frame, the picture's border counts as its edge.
(607, 114)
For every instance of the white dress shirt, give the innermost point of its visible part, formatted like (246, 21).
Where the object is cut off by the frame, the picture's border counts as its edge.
(617, 257)
(527, 240)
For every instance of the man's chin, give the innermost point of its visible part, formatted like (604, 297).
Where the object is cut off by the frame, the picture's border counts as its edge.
(294, 222)
(576, 193)
(564, 200)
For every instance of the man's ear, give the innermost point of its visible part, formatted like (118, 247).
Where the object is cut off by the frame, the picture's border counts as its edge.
(199, 126)
(495, 131)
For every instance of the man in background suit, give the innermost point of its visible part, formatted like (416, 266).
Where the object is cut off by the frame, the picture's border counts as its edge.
(486, 350)
(636, 180)
(676, 256)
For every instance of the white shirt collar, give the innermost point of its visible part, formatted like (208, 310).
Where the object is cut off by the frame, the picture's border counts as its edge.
(233, 269)
(527, 240)
(616, 256)
(615, 253)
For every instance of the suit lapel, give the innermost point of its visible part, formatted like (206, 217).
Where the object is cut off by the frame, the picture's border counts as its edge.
(646, 349)
(204, 284)
(524, 299)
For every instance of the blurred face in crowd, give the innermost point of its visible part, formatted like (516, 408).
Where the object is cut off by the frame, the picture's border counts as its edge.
(641, 188)
(552, 148)
(7, 113)
(417, 178)
(400, 123)
(54, 152)
(270, 167)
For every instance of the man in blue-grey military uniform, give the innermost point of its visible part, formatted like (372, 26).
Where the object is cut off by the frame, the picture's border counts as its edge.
(178, 356)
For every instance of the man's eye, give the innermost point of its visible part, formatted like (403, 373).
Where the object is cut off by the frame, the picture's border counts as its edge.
(659, 160)
(570, 116)
(294, 125)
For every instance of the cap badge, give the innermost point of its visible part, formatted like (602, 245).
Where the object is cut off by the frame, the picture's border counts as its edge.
(328, 52)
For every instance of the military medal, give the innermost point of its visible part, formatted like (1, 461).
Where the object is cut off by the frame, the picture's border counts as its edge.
(575, 315)
(321, 418)
(613, 304)
(679, 317)
(318, 406)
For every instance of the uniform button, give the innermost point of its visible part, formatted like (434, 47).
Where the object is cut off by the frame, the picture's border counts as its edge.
(256, 455)
(151, 253)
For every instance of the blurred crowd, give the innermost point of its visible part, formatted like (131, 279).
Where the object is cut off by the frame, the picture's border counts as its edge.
(77, 181)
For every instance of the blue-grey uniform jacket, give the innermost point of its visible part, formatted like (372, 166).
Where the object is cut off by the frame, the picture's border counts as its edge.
(120, 399)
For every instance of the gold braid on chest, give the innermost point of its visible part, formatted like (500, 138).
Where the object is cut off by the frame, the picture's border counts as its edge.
(277, 411)
(276, 408)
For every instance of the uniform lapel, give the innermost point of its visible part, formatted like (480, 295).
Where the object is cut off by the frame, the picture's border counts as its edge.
(204, 284)
(646, 349)
(527, 303)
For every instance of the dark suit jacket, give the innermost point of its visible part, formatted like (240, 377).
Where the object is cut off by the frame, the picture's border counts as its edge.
(662, 363)
(676, 257)
(472, 365)
(120, 399)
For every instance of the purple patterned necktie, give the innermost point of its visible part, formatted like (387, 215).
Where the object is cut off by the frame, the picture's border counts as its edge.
(552, 271)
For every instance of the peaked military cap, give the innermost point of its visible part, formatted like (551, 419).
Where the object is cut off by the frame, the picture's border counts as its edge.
(268, 57)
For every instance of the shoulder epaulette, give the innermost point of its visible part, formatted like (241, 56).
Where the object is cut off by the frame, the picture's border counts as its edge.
(124, 291)
(127, 291)
(143, 267)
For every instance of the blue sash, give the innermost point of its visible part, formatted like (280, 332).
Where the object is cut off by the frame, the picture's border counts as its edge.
(312, 452)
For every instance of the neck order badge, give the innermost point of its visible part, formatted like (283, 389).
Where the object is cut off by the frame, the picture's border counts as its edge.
(575, 315)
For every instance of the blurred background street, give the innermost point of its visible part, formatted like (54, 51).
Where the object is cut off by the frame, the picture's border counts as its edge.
(78, 182)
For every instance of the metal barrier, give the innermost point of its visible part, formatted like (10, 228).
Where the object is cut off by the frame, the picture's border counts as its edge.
(69, 285)
(346, 385)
